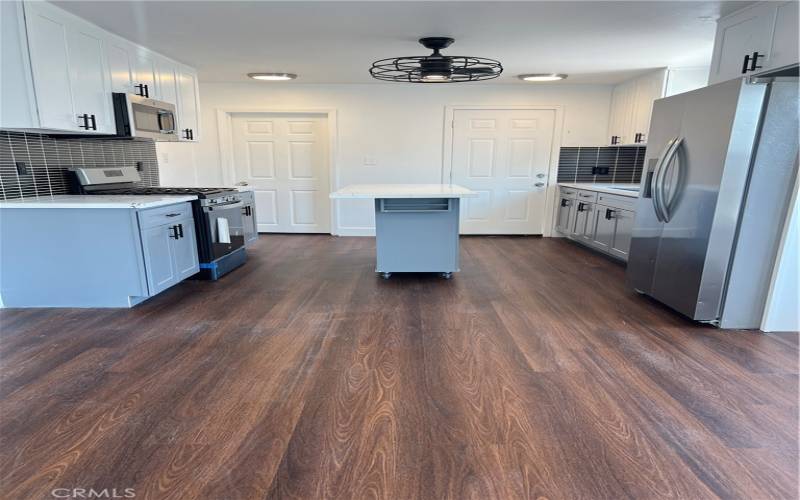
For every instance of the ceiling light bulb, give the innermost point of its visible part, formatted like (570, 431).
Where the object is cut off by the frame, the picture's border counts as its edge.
(436, 77)
(272, 77)
(542, 77)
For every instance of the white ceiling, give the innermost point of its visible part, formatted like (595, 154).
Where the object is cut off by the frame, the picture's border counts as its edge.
(336, 42)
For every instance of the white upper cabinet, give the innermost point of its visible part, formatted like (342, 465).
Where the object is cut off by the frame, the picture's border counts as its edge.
(59, 71)
(119, 55)
(188, 106)
(632, 101)
(757, 39)
(631, 105)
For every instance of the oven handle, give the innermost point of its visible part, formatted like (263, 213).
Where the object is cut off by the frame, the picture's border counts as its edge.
(225, 206)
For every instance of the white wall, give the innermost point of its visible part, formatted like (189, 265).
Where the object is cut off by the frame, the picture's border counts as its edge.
(400, 126)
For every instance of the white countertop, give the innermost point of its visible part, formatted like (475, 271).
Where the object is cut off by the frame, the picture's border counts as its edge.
(605, 188)
(97, 201)
(355, 191)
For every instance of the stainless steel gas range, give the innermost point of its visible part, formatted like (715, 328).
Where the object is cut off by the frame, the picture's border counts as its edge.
(217, 215)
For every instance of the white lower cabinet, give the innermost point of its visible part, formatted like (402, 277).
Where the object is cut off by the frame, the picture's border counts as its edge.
(598, 220)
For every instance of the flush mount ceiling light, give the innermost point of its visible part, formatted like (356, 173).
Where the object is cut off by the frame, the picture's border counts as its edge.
(542, 77)
(272, 77)
(435, 68)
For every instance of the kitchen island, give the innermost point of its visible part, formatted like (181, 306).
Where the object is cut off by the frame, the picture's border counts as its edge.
(416, 225)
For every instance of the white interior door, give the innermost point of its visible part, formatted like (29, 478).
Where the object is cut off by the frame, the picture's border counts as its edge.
(284, 157)
(504, 155)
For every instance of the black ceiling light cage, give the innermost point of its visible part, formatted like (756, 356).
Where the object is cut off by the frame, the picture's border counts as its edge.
(436, 68)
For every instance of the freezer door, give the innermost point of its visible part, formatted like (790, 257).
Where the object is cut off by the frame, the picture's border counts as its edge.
(665, 127)
(701, 186)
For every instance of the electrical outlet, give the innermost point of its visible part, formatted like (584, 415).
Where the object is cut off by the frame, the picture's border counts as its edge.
(22, 168)
(599, 170)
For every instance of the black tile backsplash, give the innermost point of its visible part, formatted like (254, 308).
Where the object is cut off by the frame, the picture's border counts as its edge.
(48, 160)
(608, 164)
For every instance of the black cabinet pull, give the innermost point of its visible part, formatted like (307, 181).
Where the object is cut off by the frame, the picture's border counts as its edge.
(564, 202)
(191, 134)
(173, 214)
(180, 230)
(580, 206)
(174, 230)
(750, 62)
(609, 214)
(185, 133)
(638, 138)
(85, 119)
(94, 122)
(140, 88)
(146, 90)
(615, 139)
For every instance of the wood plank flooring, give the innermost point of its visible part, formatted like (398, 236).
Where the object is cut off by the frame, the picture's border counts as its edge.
(533, 373)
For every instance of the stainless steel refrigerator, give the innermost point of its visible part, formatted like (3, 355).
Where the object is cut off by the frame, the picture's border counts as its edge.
(719, 170)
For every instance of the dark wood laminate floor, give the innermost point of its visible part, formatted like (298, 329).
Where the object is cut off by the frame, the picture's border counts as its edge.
(533, 373)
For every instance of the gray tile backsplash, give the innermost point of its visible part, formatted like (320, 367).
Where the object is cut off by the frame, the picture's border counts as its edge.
(49, 158)
(608, 164)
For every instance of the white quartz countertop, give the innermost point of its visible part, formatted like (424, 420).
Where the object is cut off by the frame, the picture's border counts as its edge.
(629, 190)
(97, 201)
(403, 191)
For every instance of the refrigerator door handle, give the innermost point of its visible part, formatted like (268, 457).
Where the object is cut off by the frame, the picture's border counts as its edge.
(667, 163)
(655, 179)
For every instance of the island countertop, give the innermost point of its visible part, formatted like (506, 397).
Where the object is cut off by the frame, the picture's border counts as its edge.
(368, 191)
(97, 201)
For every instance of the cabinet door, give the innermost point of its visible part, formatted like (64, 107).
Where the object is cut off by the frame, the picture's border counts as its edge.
(589, 223)
(91, 93)
(583, 214)
(603, 227)
(623, 226)
(185, 251)
(167, 81)
(120, 66)
(739, 35)
(784, 49)
(188, 106)
(145, 74)
(647, 89)
(159, 261)
(563, 218)
(47, 41)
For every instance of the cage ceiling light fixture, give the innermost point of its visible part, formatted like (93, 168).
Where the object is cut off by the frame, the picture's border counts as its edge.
(542, 77)
(272, 77)
(435, 68)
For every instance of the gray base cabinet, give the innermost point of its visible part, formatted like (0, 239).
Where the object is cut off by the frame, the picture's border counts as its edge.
(250, 228)
(601, 221)
(94, 257)
(416, 235)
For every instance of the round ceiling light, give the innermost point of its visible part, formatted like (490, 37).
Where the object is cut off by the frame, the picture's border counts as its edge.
(436, 67)
(542, 77)
(272, 77)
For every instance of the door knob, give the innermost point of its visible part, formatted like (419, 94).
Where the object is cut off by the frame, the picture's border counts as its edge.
(539, 184)
(540, 176)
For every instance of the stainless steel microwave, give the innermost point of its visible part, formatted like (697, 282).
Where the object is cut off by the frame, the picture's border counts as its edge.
(140, 117)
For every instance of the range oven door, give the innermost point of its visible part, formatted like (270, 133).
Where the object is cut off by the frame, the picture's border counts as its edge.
(225, 228)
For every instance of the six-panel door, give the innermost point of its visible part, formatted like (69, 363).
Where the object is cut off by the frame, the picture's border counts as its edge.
(503, 155)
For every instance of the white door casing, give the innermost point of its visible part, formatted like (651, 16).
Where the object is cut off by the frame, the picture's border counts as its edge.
(284, 157)
(504, 155)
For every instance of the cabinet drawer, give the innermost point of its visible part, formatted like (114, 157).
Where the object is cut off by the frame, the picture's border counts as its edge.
(569, 193)
(164, 215)
(616, 201)
(587, 196)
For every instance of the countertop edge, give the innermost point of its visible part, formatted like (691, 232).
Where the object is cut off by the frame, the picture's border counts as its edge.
(600, 189)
